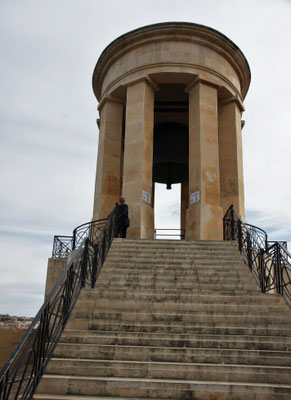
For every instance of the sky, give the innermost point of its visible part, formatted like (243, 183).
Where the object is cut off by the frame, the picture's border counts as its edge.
(48, 132)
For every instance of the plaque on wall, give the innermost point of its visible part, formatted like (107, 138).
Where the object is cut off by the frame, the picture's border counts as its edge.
(146, 197)
(194, 197)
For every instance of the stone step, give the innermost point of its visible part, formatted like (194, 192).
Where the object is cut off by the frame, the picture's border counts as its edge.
(176, 276)
(181, 307)
(177, 296)
(176, 327)
(171, 243)
(162, 388)
(174, 319)
(173, 274)
(203, 316)
(210, 341)
(141, 262)
(205, 270)
(174, 354)
(153, 287)
(165, 370)
(176, 256)
(160, 256)
(181, 339)
(181, 244)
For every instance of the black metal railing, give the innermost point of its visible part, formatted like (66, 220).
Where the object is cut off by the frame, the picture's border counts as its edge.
(269, 261)
(63, 245)
(165, 233)
(22, 372)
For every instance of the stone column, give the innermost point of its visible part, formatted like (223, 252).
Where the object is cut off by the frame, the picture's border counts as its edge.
(230, 156)
(184, 203)
(107, 188)
(204, 216)
(138, 159)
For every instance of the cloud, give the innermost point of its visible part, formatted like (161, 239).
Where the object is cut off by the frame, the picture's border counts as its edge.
(48, 120)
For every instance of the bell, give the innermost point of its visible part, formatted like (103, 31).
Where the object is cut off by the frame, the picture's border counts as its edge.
(171, 149)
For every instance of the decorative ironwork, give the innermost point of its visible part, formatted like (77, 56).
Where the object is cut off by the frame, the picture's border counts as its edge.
(22, 372)
(282, 243)
(269, 261)
(62, 246)
(180, 233)
(89, 230)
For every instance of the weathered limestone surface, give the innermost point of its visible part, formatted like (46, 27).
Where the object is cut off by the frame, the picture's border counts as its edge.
(230, 157)
(9, 338)
(126, 81)
(138, 158)
(204, 217)
(55, 268)
(108, 184)
(173, 320)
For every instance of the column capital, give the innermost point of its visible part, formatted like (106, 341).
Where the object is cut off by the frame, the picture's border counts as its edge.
(146, 79)
(197, 80)
(234, 99)
(109, 98)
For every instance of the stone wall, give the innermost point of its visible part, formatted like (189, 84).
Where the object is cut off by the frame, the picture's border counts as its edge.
(9, 337)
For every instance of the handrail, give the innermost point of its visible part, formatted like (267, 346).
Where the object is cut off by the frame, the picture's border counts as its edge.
(90, 229)
(63, 245)
(269, 261)
(23, 370)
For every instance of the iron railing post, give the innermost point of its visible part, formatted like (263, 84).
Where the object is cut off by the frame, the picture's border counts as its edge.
(84, 264)
(278, 269)
(249, 250)
(74, 240)
(239, 234)
(262, 271)
(67, 296)
(232, 224)
(94, 267)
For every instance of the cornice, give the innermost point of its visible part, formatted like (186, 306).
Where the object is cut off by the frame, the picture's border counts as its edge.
(194, 33)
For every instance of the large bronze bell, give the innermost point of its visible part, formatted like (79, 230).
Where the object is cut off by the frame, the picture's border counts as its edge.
(171, 149)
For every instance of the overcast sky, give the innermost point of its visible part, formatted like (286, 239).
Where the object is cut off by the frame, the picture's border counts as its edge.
(48, 50)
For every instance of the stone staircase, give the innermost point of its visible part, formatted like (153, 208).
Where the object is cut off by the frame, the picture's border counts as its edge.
(173, 320)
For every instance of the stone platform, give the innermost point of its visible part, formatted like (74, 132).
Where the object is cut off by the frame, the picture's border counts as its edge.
(173, 320)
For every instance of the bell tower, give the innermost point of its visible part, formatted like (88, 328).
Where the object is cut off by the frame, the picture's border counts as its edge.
(170, 103)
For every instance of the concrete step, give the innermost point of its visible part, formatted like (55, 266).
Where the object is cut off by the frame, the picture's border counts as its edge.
(215, 316)
(173, 320)
(210, 341)
(177, 296)
(260, 342)
(172, 243)
(174, 354)
(171, 260)
(177, 277)
(162, 388)
(181, 307)
(174, 256)
(161, 256)
(165, 370)
(214, 328)
(153, 286)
